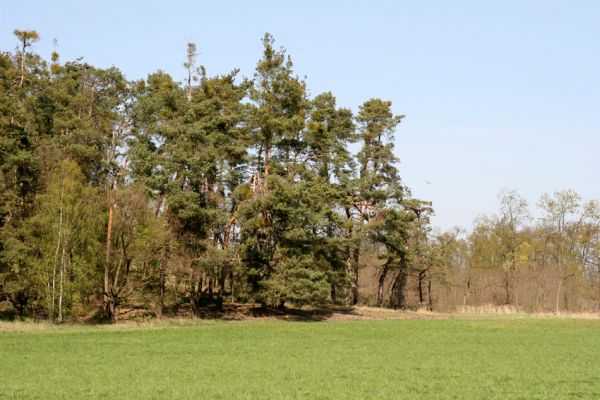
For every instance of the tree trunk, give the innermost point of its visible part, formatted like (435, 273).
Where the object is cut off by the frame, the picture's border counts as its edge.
(566, 297)
(231, 284)
(467, 292)
(429, 293)
(507, 284)
(221, 285)
(54, 268)
(110, 311)
(61, 285)
(381, 284)
(24, 46)
(200, 286)
(109, 308)
(421, 280)
(355, 268)
(398, 297)
(557, 308)
(161, 289)
(58, 262)
(333, 293)
(267, 159)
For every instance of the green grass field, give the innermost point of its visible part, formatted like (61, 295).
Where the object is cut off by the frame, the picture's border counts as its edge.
(446, 359)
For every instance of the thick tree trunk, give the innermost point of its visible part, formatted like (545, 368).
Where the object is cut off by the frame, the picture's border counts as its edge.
(333, 293)
(381, 284)
(420, 282)
(398, 297)
(110, 311)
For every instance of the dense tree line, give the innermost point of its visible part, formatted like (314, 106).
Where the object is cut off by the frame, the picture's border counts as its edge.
(169, 197)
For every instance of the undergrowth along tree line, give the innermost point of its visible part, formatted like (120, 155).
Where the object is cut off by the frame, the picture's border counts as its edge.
(173, 197)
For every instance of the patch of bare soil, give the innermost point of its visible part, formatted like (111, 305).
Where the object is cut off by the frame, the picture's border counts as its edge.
(381, 314)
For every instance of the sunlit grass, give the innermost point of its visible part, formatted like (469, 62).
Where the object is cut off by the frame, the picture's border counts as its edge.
(448, 359)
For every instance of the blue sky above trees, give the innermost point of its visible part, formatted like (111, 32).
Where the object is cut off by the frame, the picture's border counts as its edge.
(496, 94)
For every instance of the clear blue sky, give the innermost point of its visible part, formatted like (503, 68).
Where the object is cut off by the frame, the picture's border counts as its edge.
(497, 94)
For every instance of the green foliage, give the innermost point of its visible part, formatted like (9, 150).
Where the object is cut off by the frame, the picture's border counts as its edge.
(278, 116)
(120, 193)
(63, 237)
(174, 196)
(379, 180)
(7, 311)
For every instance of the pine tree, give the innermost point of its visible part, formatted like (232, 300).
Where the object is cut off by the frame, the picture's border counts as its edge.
(378, 184)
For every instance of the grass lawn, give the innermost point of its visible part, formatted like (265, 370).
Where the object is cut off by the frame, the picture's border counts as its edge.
(447, 359)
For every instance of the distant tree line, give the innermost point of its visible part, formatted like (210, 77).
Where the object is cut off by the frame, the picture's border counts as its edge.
(173, 197)
(550, 263)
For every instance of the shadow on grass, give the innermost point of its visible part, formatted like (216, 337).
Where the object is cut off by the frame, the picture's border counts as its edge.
(229, 312)
(238, 312)
(303, 315)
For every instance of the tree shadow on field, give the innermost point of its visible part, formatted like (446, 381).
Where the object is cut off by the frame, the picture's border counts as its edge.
(312, 314)
(237, 312)
(232, 312)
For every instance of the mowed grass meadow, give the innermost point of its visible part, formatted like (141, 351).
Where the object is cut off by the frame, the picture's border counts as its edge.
(501, 358)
